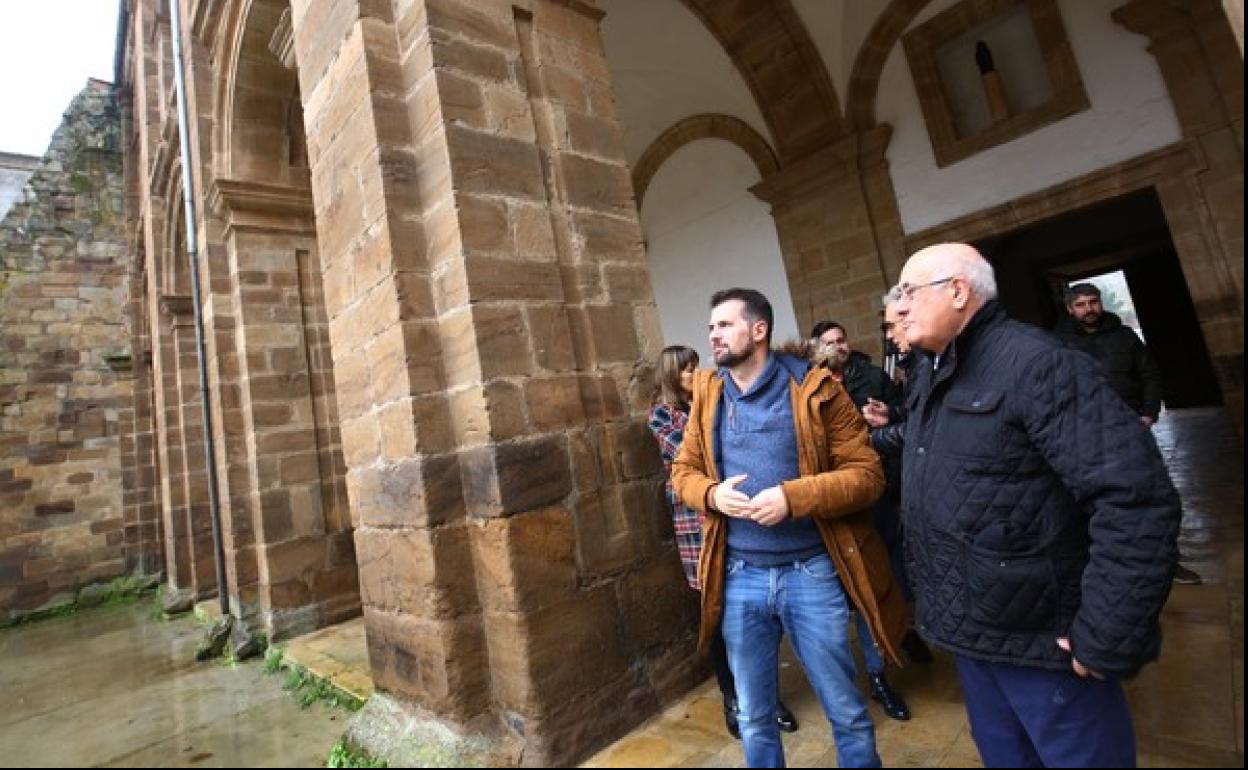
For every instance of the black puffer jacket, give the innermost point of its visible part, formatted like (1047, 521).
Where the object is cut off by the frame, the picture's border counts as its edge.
(888, 441)
(1132, 372)
(863, 379)
(1035, 505)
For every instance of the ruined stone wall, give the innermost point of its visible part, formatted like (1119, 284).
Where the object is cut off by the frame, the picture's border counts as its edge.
(65, 386)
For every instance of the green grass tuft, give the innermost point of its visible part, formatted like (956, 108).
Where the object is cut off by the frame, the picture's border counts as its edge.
(342, 755)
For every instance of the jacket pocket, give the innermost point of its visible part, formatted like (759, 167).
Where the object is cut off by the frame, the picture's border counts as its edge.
(973, 422)
(819, 568)
(1009, 592)
(974, 401)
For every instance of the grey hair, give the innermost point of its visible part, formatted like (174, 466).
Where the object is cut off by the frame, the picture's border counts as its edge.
(979, 273)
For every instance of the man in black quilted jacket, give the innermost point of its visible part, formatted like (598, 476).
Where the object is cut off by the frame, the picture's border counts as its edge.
(1041, 525)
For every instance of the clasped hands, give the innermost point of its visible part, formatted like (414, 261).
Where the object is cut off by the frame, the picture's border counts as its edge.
(768, 508)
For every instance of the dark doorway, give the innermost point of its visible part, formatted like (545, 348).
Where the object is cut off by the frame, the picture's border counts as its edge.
(1034, 264)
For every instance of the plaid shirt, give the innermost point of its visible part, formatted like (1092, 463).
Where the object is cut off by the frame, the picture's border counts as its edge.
(667, 422)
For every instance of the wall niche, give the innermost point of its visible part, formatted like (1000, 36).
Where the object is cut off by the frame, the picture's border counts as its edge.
(989, 71)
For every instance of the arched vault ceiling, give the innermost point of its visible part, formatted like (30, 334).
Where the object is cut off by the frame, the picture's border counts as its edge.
(864, 82)
(774, 53)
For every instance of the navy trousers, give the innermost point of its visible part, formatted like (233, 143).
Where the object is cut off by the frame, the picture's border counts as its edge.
(1030, 717)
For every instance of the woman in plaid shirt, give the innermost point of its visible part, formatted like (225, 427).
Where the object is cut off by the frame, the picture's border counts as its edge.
(673, 389)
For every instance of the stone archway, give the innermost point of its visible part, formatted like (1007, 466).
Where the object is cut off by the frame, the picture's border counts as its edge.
(178, 417)
(705, 229)
(864, 80)
(774, 53)
(829, 191)
(725, 127)
(289, 532)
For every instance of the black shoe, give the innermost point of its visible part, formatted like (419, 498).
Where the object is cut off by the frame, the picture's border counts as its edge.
(916, 649)
(894, 706)
(1186, 576)
(730, 719)
(785, 719)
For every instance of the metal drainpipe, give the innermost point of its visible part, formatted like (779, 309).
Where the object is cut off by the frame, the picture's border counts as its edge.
(119, 53)
(188, 198)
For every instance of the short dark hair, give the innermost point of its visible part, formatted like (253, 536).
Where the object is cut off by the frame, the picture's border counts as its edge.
(1081, 290)
(823, 327)
(757, 308)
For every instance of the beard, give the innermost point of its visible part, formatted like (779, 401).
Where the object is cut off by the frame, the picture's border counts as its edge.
(729, 358)
(837, 358)
(1091, 320)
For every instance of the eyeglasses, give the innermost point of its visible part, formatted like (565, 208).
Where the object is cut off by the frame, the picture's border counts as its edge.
(906, 291)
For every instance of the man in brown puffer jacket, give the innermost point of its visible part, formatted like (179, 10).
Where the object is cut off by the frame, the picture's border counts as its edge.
(777, 459)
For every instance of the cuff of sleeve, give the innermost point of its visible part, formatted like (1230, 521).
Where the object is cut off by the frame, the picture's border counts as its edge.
(792, 494)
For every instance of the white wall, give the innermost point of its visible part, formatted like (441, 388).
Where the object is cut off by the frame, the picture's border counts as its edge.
(14, 171)
(839, 28)
(705, 231)
(1130, 115)
(666, 66)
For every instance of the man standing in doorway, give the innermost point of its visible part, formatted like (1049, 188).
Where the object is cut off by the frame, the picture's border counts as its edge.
(777, 458)
(1132, 372)
(1041, 525)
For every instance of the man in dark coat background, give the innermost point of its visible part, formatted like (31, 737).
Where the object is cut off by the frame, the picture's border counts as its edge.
(1131, 370)
(1041, 526)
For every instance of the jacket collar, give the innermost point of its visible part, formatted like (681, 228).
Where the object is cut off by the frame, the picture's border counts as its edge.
(709, 383)
(794, 364)
(856, 362)
(986, 317)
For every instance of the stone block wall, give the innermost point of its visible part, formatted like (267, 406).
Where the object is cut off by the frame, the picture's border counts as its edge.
(286, 528)
(491, 321)
(66, 392)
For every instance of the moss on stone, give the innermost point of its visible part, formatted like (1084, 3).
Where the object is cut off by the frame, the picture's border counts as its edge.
(123, 590)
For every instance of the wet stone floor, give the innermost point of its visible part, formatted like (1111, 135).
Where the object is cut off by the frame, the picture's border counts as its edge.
(1188, 707)
(114, 687)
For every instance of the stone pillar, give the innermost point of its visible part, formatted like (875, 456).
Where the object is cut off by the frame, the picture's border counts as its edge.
(840, 233)
(1203, 70)
(881, 200)
(139, 497)
(306, 574)
(194, 472)
(140, 507)
(139, 526)
(1235, 15)
(179, 563)
(492, 322)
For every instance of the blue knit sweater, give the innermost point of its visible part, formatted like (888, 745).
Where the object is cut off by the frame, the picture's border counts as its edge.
(755, 435)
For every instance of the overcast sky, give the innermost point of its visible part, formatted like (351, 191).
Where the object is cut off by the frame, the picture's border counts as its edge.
(48, 49)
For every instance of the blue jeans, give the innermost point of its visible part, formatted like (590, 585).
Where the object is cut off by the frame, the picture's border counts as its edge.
(1031, 717)
(804, 600)
(870, 653)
